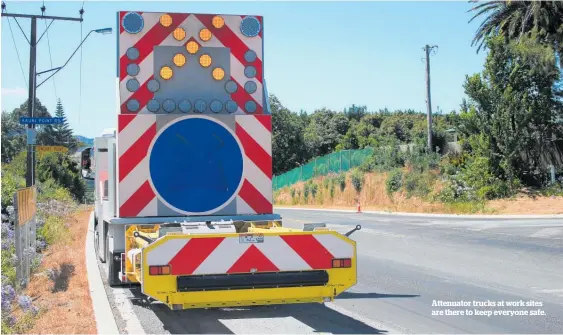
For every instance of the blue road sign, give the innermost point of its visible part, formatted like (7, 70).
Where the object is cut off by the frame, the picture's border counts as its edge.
(41, 120)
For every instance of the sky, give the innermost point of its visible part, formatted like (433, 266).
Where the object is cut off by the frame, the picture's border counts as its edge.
(316, 54)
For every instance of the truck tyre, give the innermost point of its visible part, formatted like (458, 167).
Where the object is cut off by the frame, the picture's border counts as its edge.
(113, 270)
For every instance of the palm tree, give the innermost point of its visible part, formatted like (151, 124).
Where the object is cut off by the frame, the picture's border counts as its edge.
(514, 19)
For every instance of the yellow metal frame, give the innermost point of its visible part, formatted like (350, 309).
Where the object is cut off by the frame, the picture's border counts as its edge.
(163, 287)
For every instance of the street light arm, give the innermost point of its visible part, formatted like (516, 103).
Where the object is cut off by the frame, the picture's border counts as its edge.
(68, 60)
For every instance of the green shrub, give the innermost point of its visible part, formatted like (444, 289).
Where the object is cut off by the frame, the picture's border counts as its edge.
(331, 191)
(64, 171)
(53, 230)
(419, 184)
(394, 181)
(10, 183)
(358, 179)
(306, 191)
(340, 179)
(313, 187)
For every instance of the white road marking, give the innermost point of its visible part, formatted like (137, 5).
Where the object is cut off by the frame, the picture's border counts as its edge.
(132, 324)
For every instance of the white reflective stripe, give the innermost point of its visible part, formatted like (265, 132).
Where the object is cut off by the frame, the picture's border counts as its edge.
(127, 40)
(258, 132)
(150, 209)
(133, 181)
(135, 129)
(258, 179)
(194, 26)
(281, 254)
(223, 257)
(237, 72)
(243, 207)
(253, 43)
(163, 254)
(337, 247)
(146, 70)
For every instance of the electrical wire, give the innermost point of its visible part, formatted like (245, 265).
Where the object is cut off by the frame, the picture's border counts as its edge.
(80, 86)
(49, 47)
(17, 52)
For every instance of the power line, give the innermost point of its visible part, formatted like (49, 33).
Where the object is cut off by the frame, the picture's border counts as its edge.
(17, 53)
(81, 11)
(49, 47)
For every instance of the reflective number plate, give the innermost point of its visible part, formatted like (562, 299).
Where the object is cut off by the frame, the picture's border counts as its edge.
(251, 238)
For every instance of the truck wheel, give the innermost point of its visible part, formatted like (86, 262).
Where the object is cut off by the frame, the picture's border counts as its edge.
(113, 269)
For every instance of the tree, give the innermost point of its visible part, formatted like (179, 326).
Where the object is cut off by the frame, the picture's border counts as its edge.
(513, 107)
(14, 134)
(59, 134)
(516, 19)
(325, 131)
(288, 148)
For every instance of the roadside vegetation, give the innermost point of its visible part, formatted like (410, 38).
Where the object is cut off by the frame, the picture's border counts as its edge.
(61, 191)
(507, 132)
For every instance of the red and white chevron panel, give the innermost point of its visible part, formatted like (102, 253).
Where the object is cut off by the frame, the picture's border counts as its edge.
(216, 255)
(255, 135)
(136, 196)
(153, 34)
(135, 135)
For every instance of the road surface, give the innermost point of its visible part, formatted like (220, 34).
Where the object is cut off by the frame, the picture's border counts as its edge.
(405, 264)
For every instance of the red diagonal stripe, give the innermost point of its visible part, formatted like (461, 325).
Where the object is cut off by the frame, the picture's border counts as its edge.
(255, 199)
(241, 97)
(310, 249)
(139, 200)
(255, 152)
(123, 121)
(187, 260)
(121, 15)
(266, 121)
(136, 153)
(253, 259)
(143, 95)
(155, 36)
(230, 40)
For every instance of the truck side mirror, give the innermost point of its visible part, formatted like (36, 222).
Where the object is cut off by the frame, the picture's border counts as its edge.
(86, 163)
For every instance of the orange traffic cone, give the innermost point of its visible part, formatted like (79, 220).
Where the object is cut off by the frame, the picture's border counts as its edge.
(359, 207)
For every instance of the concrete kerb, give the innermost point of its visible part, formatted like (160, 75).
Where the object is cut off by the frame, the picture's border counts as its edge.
(459, 216)
(105, 321)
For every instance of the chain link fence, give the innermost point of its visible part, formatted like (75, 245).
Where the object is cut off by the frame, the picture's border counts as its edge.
(336, 162)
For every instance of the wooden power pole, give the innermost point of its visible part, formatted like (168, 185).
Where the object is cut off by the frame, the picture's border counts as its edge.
(427, 49)
(30, 174)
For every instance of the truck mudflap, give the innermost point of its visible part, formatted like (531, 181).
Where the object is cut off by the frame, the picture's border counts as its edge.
(273, 266)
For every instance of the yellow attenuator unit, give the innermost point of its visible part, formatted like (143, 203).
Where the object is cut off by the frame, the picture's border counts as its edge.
(164, 287)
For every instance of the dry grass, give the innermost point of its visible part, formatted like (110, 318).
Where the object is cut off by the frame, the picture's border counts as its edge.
(65, 298)
(374, 197)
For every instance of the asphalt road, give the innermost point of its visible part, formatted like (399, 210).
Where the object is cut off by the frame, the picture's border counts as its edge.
(405, 264)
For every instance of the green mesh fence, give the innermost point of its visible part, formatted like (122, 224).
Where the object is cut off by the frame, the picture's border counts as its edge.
(336, 162)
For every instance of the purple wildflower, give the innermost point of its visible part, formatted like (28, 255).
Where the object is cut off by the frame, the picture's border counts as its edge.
(11, 320)
(8, 295)
(25, 302)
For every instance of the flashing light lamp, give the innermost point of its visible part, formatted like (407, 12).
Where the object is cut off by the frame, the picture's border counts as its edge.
(218, 22)
(205, 60)
(166, 72)
(179, 34)
(218, 73)
(250, 56)
(205, 34)
(192, 47)
(165, 20)
(179, 60)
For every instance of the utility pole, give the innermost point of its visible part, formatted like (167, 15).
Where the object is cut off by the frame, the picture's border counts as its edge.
(30, 173)
(427, 48)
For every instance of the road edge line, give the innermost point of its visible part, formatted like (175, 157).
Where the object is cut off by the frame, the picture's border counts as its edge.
(459, 216)
(105, 321)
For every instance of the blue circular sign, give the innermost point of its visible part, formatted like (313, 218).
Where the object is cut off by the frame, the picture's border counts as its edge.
(250, 26)
(196, 165)
(133, 23)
